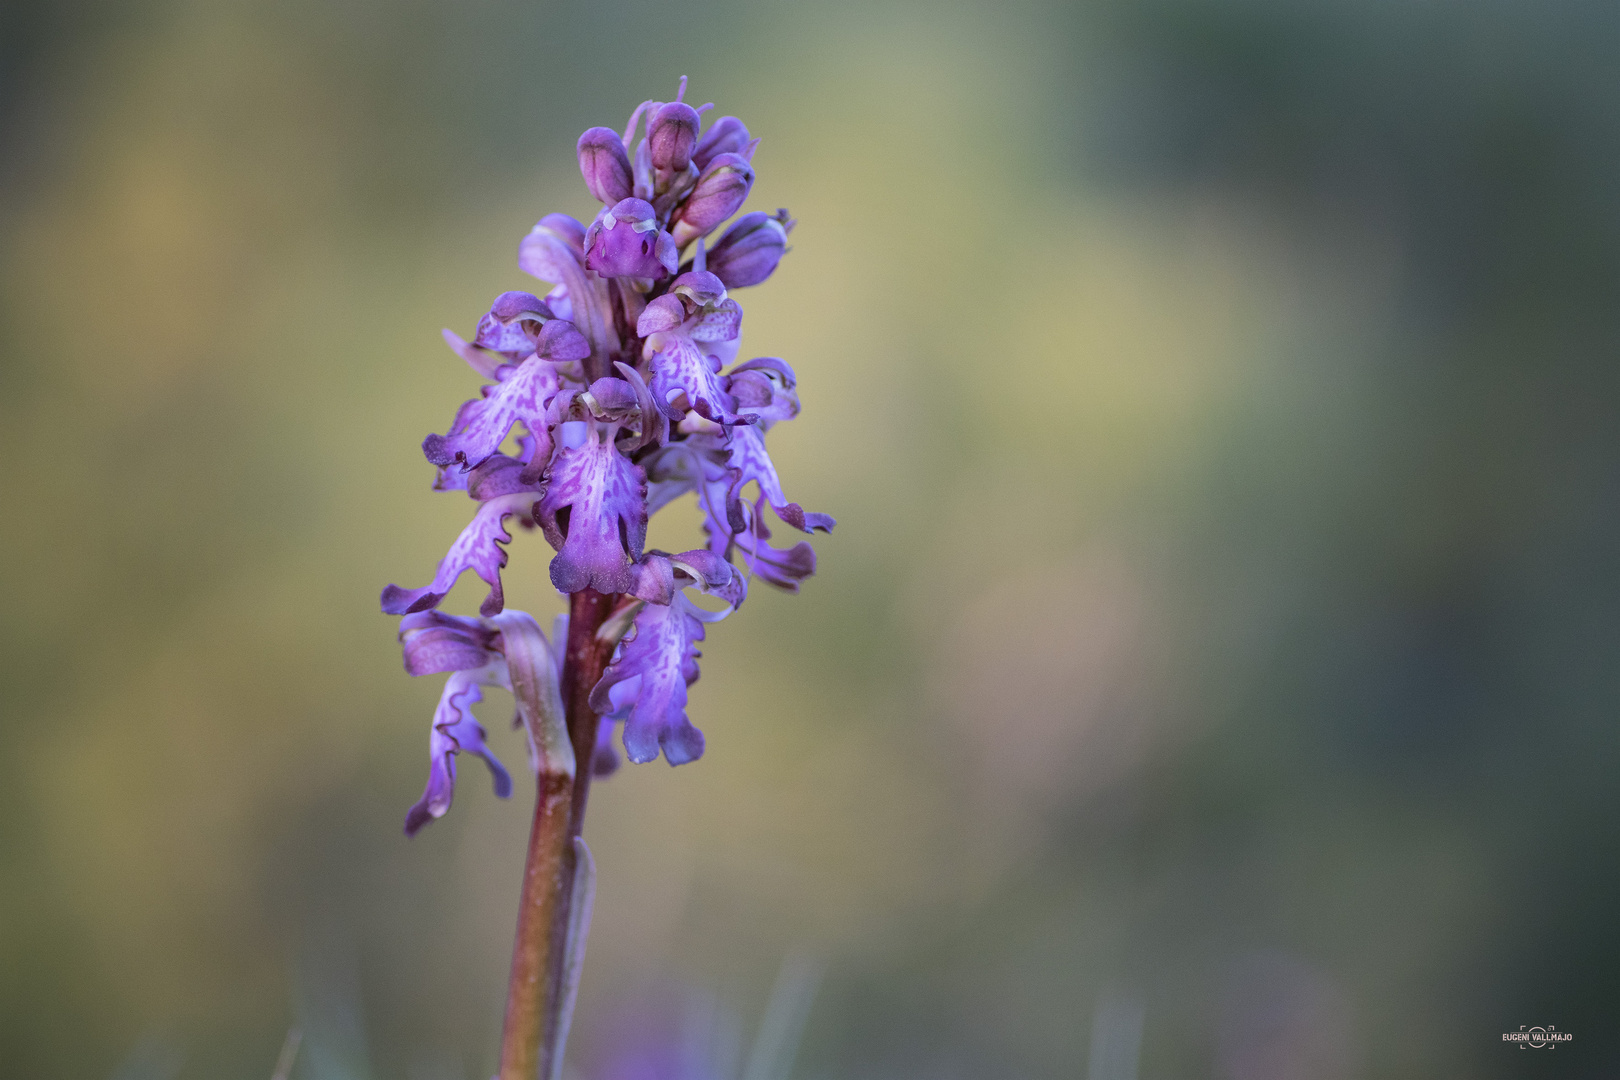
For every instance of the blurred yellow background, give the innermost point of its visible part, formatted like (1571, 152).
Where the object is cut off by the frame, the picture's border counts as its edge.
(1218, 404)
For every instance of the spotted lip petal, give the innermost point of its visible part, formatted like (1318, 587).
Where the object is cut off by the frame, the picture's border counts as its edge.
(681, 366)
(478, 549)
(652, 672)
(455, 731)
(602, 534)
(523, 395)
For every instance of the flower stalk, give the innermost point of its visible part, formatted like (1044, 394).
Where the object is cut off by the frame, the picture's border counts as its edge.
(538, 989)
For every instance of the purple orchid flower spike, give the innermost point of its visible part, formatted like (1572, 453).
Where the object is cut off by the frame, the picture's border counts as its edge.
(606, 397)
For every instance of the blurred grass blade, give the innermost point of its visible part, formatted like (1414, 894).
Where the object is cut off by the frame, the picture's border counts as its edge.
(771, 1057)
(289, 1054)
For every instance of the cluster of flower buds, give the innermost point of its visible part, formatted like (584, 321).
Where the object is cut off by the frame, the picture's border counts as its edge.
(613, 396)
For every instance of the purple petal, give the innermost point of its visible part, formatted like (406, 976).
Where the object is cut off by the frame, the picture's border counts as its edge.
(663, 657)
(703, 568)
(663, 314)
(782, 568)
(762, 396)
(679, 467)
(478, 549)
(700, 288)
(560, 341)
(650, 421)
(770, 363)
(454, 731)
(749, 461)
(499, 475)
(785, 569)
(605, 526)
(612, 398)
(658, 575)
(482, 425)
(435, 642)
(605, 760)
(653, 579)
(450, 478)
(512, 323)
(679, 365)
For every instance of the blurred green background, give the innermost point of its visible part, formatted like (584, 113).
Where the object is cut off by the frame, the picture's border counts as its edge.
(1219, 404)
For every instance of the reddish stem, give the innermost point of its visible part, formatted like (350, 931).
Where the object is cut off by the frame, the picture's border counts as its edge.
(529, 1036)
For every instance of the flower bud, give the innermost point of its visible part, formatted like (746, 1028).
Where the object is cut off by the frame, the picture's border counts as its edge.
(626, 241)
(748, 252)
(726, 135)
(719, 191)
(604, 164)
(672, 135)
